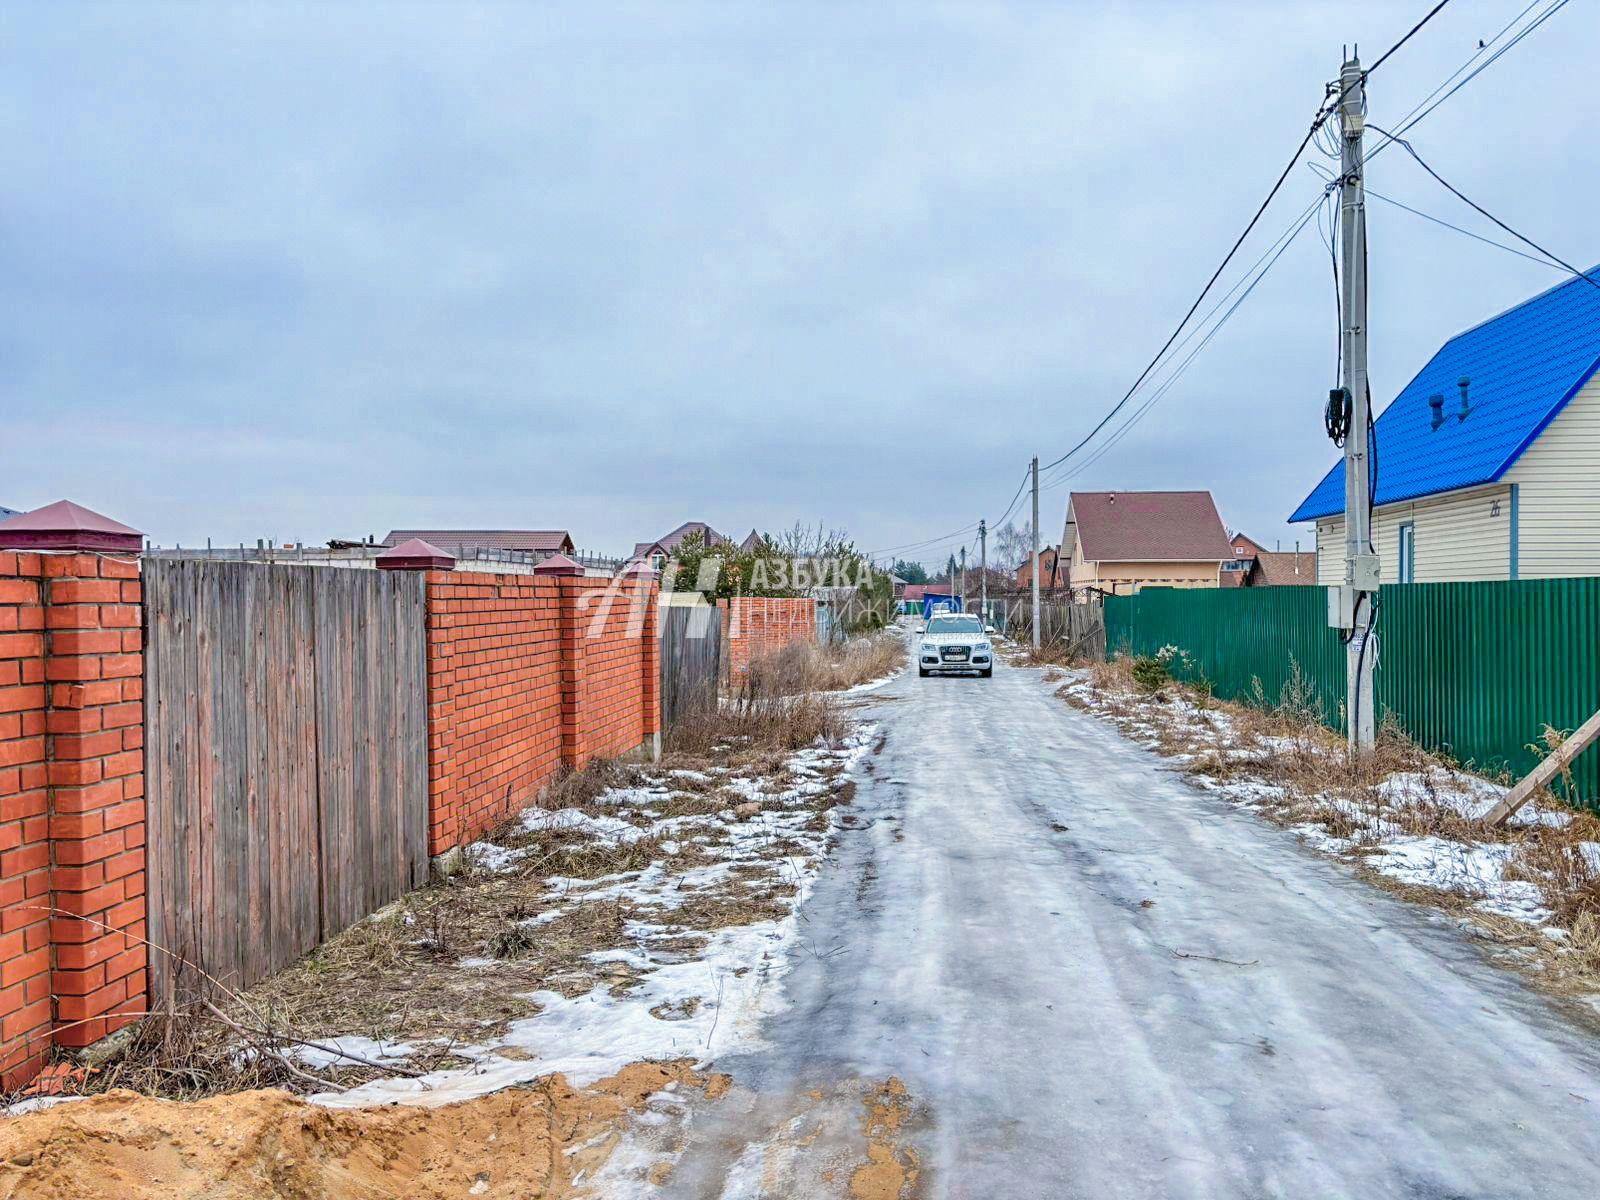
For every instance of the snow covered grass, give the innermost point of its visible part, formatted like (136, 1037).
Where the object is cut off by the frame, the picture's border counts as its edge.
(1409, 820)
(635, 912)
(697, 955)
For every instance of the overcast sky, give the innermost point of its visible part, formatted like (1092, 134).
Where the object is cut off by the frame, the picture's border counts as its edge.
(321, 270)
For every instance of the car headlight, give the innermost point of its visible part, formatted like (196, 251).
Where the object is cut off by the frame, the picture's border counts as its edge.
(982, 647)
(929, 646)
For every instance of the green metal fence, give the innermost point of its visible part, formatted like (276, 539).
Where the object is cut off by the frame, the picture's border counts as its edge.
(1475, 670)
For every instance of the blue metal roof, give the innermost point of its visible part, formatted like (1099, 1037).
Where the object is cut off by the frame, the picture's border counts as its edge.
(1524, 365)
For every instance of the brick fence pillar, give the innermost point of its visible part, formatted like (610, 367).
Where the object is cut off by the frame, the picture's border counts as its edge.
(79, 572)
(647, 593)
(568, 576)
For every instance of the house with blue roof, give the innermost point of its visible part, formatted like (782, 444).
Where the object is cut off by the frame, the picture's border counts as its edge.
(1488, 463)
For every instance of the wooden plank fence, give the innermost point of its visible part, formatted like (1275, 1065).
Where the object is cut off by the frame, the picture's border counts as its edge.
(691, 660)
(286, 777)
(1079, 628)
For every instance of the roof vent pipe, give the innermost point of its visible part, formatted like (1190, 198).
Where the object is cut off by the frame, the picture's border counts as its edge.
(1463, 383)
(1436, 403)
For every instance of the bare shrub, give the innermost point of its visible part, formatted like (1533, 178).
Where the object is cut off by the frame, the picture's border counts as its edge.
(806, 666)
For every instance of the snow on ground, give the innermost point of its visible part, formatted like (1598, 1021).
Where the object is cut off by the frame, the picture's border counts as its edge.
(700, 1003)
(1378, 833)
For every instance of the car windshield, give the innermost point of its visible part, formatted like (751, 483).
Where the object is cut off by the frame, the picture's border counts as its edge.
(955, 625)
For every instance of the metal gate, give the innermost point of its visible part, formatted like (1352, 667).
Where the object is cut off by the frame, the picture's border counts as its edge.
(286, 759)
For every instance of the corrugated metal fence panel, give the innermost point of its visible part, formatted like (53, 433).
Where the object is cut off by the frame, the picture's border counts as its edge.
(691, 660)
(1478, 669)
(286, 758)
(1245, 642)
(1475, 670)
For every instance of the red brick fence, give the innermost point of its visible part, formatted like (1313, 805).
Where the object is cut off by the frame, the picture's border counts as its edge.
(524, 677)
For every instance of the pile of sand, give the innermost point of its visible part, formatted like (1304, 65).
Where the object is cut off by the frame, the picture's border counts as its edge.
(525, 1143)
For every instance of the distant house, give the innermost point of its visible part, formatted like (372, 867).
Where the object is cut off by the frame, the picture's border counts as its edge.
(1049, 559)
(751, 543)
(660, 550)
(1253, 565)
(1119, 542)
(1486, 460)
(541, 543)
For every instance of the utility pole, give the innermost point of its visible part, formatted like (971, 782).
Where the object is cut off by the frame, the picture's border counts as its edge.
(1034, 469)
(983, 567)
(1360, 591)
(963, 592)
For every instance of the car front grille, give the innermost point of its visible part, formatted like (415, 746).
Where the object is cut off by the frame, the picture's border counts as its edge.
(954, 654)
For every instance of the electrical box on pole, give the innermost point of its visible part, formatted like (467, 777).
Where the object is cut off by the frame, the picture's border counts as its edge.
(1352, 605)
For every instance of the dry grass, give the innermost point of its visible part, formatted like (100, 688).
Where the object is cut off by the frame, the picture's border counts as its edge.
(399, 975)
(1282, 744)
(806, 666)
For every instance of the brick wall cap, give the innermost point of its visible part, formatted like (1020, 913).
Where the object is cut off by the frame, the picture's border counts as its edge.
(558, 564)
(67, 526)
(416, 555)
(639, 567)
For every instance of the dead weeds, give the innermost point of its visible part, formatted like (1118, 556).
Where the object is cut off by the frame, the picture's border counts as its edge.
(1295, 771)
(453, 963)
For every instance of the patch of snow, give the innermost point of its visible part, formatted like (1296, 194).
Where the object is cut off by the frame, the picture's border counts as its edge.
(336, 1051)
(717, 995)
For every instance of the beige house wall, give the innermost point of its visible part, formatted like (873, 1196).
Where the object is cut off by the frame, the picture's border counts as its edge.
(1458, 536)
(1558, 493)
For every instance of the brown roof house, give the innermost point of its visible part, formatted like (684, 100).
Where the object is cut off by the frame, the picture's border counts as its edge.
(1119, 542)
(662, 549)
(1253, 565)
(1050, 574)
(465, 543)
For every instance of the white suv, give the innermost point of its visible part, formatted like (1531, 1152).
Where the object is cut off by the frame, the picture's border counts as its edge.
(955, 642)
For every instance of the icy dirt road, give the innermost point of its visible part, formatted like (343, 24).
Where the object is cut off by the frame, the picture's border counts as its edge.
(1003, 928)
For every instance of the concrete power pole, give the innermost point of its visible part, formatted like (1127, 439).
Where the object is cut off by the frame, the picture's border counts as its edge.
(1360, 591)
(983, 568)
(1034, 469)
(963, 591)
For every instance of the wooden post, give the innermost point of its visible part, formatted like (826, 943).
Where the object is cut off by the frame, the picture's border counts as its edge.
(1555, 762)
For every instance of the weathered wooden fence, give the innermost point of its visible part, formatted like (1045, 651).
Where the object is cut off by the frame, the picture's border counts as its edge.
(691, 660)
(1078, 628)
(286, 749)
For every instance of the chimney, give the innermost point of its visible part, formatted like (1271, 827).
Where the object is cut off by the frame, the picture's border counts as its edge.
(1463, 383)
(1436, 403)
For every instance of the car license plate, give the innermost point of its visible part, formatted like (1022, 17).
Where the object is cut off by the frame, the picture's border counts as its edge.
(955, 653)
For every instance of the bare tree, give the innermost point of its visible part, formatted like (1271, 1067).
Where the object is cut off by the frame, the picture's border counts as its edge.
(1011, 546)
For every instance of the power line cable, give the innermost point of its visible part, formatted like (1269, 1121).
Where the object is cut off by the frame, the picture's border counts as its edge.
(1410, 33)
(1467, 200)
(1323, 113)
(943, 537)
(1169, 383)
(1250, 277)
(1414, 117)
(1477, 237)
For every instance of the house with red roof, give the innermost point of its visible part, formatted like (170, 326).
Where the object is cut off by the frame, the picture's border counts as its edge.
(1119, 542)
(467, 543)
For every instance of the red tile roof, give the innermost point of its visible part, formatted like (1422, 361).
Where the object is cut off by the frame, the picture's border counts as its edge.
(528, 541)
(1149, 527)
(675, 539)
(1286, 568)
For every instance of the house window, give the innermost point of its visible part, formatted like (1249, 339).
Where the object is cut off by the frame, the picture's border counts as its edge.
(1407, 557)
(658, 561)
